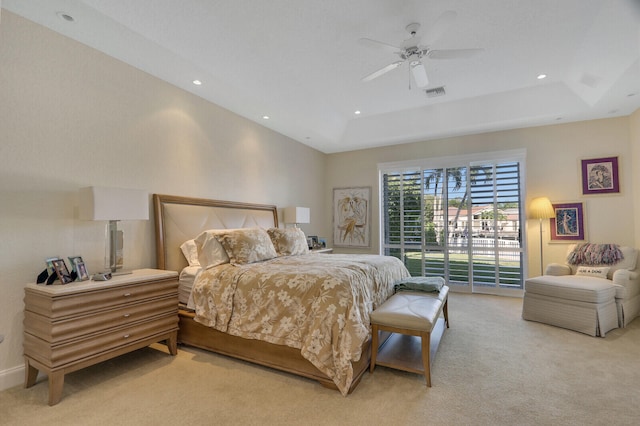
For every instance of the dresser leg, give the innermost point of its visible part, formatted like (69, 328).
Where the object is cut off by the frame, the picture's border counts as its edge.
(172, 343)
(56, 382)
(30, 374)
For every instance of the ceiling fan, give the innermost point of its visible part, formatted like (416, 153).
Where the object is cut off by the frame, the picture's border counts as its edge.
(415, 49)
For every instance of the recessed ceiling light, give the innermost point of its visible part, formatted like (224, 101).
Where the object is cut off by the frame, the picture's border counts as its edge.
(542, 76)
(357, 112)
(265, 117)
(65, 16)
(197, 82)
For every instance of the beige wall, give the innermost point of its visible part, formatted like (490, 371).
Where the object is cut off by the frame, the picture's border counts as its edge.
(634, 138)
(552, 169)
(73, 117)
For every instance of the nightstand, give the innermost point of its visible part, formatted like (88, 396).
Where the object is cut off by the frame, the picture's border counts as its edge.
(72, 326)
(322, 250)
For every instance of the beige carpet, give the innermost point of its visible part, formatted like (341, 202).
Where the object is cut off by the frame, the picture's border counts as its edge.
(492, 368)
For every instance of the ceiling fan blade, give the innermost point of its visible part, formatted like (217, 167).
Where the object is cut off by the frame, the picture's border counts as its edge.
(378, 45)
(453, 53)
(383, 70)
(441, 25)
(419, 74)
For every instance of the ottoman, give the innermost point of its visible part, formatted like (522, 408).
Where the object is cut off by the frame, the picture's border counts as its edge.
(579, 303)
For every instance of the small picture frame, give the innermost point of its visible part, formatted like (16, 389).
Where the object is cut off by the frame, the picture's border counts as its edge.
(78, 266)
(73, 260)
(312, 241)
(62, 271)
(49, 261)
(568, 223)
(83, 274)
(600, 176)
(322, 242)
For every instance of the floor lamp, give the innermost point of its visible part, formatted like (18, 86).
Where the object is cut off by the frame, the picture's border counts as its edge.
(540, 209)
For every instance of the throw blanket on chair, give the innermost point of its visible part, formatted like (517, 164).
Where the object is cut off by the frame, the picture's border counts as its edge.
(426, 284)
(595, 254)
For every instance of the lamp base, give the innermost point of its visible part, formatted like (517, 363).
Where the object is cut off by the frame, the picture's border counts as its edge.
(114, 248)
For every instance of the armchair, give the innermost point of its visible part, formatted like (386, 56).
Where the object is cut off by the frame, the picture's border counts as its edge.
(592, 299)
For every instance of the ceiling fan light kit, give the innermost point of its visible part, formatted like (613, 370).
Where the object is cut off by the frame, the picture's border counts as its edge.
(413, 52)
(419, 74)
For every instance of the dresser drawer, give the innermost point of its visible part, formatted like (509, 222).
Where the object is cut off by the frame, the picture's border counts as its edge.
(88, 301)
(54, 356)
(71, 328)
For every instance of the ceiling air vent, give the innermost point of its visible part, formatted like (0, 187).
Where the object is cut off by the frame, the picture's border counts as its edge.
(435, 92)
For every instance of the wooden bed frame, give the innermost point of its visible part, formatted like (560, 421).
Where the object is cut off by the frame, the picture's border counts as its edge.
(178, 219)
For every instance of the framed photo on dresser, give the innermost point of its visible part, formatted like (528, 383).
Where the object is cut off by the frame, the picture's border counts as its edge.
(62, 271)
(78, 266)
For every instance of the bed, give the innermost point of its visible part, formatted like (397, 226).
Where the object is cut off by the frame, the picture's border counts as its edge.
(231, 309)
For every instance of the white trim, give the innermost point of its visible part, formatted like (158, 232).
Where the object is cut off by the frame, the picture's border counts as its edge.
(456, 160)
(11, 377)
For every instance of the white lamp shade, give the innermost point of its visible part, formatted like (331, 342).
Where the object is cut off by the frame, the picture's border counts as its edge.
(99, 203)
(541, 208)
(297, 215)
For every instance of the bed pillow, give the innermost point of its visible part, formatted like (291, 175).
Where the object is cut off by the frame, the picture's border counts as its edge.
(210, 251)
(190, 252)
(247, 245)
(289, 242)
(593, 271)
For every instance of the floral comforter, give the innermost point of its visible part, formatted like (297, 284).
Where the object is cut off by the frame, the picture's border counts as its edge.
(319, 303)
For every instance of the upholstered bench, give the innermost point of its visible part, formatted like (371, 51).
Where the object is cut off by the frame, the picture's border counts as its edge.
(411, 313)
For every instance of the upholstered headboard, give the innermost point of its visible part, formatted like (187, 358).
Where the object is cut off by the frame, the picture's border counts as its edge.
(178, 219)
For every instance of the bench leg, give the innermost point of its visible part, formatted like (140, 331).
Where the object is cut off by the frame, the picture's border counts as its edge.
(445, 311)
(426, 356)
(374, 347)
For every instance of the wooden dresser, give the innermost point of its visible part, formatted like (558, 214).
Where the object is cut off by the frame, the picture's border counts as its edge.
(72, 326)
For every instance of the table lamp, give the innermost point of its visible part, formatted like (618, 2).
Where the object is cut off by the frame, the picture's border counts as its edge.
(297, 215)
(113, 204)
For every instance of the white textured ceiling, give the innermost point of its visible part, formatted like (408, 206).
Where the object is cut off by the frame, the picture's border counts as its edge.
(300, 62)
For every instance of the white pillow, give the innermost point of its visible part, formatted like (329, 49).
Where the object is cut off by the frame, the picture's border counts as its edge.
(593, 271)
(210, 251)
(629, 262)
(190, 252)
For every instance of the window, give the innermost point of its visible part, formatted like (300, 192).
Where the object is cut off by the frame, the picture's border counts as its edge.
(459, 218)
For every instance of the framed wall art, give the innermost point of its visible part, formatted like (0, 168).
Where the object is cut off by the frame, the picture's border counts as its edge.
(352, 217)
(600, 176)
(568, 223)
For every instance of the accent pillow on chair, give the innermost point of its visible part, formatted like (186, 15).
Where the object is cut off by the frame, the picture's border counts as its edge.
(615, 257)
(593, 271)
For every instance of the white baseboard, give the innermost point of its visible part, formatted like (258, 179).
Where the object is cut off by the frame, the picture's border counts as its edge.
(11, 377)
